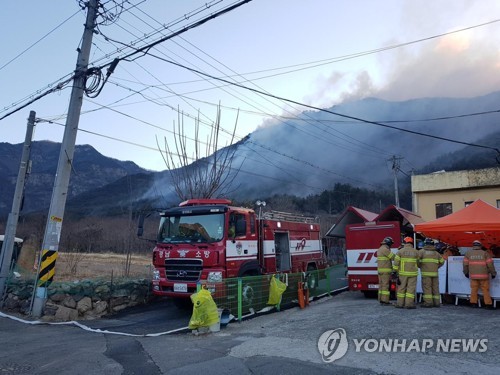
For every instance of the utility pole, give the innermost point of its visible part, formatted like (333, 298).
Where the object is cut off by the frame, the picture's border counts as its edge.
(50, 246)
(10, 230)
(395, 167)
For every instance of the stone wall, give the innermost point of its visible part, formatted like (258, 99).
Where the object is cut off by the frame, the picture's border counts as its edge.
(79, 300)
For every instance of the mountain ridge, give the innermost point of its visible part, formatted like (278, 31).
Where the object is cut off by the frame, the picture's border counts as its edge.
(301, 156)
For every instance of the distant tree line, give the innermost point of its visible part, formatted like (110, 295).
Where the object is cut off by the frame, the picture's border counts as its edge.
(116, 233)
(336, 200)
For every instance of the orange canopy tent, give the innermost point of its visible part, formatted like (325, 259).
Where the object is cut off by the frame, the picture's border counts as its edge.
(478, 221)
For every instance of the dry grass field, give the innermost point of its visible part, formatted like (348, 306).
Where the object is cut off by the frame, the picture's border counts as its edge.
(79, 266)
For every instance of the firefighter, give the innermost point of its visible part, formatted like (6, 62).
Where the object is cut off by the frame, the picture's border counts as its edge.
(406, 269)
(430, 261)
(384, 269)
(478, 264)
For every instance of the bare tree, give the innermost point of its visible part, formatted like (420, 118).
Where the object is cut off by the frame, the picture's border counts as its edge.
(209, 173)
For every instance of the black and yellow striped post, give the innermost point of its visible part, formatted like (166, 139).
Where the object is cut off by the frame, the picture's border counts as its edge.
(47, 265)
(47, 268)
(66, 154)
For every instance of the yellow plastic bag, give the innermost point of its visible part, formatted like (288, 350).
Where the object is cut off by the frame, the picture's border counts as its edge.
(204, 310)
(276, 290)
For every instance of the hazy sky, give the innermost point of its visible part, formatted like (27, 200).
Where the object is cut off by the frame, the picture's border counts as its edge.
(314, 52)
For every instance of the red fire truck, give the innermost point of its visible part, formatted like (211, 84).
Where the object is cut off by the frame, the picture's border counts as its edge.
(209, 240)
(362, 242)
(363, 232)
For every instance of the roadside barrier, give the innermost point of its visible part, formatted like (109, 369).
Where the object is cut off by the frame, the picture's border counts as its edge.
(238, 298)
(245, 296)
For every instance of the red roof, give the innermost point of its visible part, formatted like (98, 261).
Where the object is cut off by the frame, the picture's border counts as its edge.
(407, 218)
(351, 215)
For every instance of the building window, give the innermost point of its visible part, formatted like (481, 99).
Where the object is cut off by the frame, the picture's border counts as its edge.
(468, 203)
(443, 209)
(498, 203)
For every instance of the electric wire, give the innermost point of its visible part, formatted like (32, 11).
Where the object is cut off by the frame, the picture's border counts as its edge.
(355, 55)
(257, 144)
(182, 30)
(327, 130)
(248, 141)
(282, 117)
(147, 50)
(357, 119)
(295, 182)
(326, 110)
(38, 41)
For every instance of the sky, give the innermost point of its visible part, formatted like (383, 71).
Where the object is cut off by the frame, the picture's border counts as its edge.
(318, 52)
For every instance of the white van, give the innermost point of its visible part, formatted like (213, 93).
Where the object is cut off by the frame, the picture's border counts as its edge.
(18, 244)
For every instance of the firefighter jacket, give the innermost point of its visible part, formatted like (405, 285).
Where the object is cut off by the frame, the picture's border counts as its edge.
(430, 261)
(384, 259)
(478, 264)
(406, 261)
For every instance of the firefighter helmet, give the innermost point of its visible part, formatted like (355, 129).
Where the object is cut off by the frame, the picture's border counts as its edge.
(477, 243)
(388, 241)
(408, 240)
(428, 241)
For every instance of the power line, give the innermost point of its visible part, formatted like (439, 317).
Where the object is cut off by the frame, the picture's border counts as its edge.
(249, 141)
(295, 182)
(193, 25)
(322, 109)
(142, 49)
(38, 41)
(146, 50)
(58, 87)
(355, 118)
(315, 64)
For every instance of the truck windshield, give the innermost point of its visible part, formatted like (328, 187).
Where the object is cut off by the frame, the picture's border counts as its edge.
(191, 228)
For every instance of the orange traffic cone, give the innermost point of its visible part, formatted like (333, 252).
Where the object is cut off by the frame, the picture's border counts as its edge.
(302, 303)
(303, 295)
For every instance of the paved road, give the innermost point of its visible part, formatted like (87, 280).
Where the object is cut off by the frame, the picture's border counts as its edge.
(278, 343)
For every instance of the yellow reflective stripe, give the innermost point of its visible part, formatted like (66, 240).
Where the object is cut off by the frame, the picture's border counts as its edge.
(409, 295)
(400, 295)
(408, 273)
(436, 296)
(384, 292)
(391, 255)
(429, 274)
(413, 260)
(428, 296)
(383, 258)
(429, 261)
(386, 270)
